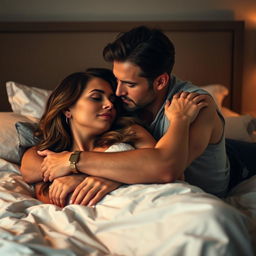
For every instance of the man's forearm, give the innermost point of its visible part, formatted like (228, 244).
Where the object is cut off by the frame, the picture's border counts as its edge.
(164, 163)
(136, 166)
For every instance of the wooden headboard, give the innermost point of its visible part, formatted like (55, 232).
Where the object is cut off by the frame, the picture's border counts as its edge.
(42, 54)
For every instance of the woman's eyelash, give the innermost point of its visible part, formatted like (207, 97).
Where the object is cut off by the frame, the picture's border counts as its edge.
(96, 98)
(99, 98)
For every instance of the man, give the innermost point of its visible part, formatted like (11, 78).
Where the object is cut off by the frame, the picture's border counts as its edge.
(142, 60)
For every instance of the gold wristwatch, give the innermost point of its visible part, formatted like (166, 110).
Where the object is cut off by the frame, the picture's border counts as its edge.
(73, 160)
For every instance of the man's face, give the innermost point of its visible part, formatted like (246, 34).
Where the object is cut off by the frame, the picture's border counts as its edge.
(133, 89)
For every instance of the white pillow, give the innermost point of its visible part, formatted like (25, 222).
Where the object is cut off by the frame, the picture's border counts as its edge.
(9, 141)
(218, 92)
(26, 100)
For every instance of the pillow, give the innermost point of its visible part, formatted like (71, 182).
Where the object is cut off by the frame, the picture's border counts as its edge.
(9, 141)
(26, 136)
(26, 100)
(217, 91)
(241, 127)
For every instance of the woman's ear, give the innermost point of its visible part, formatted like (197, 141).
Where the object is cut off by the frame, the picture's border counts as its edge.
(161, 82)
(67, 113)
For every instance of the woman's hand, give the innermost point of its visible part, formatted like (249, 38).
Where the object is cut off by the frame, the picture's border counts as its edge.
(185, 105)
(54, 164)
(61, 187)
(92, 189)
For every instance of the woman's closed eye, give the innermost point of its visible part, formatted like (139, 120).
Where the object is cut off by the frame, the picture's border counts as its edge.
(96, 97)
(100, 97)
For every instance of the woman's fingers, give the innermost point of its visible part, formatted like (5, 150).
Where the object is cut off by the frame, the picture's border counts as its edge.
(58, 196)
(55, 196)
(190, 95)
(177, 95)
(88, 191)
(62, 197)
(91, 190)
(194, 97)
(51, 193)
(202, 104)
(76, 192)
(55, 192)
(90, 195)
(184, 94)
(80, 192)
(199, 98)
(97, 197)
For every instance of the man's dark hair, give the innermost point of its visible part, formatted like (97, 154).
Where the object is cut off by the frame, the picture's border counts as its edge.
(150, 49)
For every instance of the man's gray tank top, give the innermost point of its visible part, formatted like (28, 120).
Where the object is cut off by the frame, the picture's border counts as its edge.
(211, 170)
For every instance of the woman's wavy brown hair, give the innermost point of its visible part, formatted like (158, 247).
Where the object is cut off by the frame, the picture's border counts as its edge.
(54, 131)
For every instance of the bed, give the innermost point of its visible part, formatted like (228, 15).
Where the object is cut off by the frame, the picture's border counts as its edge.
(133, 220)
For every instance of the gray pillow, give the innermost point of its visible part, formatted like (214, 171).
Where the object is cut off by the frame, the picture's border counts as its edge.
(26, 136)
(9, 142)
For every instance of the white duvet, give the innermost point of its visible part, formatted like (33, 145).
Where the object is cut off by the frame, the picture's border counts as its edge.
(170, 219)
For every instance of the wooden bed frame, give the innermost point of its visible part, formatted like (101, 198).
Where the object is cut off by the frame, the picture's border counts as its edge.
(42, 54)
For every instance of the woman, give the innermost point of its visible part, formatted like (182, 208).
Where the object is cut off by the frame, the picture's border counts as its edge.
(78, 114)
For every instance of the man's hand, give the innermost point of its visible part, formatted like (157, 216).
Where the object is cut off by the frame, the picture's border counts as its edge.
(185, 105)
(54, 164)
(61, 187)
(92, 189)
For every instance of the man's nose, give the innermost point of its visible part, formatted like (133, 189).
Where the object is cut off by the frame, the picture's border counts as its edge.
(120, 90)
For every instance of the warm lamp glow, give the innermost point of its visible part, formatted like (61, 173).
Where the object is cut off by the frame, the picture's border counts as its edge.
(251, 18)
(254, 77)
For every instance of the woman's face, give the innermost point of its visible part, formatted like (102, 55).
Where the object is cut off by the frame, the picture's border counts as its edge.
(94, 111)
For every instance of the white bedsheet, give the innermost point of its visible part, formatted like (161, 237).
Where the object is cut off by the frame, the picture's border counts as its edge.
(169, 219)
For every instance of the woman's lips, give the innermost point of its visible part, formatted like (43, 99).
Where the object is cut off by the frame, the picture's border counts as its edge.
(106, 115)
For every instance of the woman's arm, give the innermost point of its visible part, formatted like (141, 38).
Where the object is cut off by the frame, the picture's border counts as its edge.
(91, 191)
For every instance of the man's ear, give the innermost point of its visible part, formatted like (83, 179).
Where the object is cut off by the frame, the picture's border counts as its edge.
(161, 82)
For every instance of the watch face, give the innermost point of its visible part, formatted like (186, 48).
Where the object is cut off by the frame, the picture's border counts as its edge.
(74, 157)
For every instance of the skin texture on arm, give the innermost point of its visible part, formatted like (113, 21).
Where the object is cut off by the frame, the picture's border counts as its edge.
(31, 166)
(187, 143)
(145, 165)
(92, 190)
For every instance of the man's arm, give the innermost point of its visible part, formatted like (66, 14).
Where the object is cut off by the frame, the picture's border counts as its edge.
(155, 165)
(186, 145)
(175, 151)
